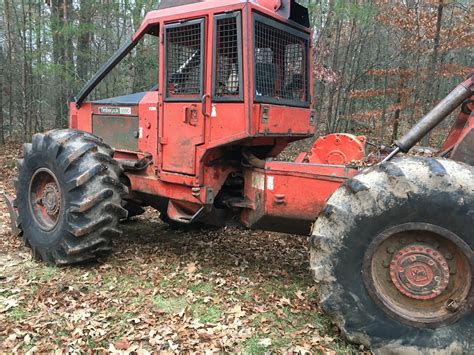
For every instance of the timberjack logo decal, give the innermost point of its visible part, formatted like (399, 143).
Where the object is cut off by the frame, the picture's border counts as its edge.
(116, 110)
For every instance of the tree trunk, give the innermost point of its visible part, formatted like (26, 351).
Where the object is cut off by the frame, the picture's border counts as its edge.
(9, 80)
(384, 110)
(62, 57)
(332, 92)
(2, 70)
(84, 39)
(433, 68)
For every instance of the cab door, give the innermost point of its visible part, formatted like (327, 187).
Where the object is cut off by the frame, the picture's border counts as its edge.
(184, 83)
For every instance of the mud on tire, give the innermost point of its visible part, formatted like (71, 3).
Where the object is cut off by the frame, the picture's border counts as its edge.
(432, 201)
(69, 197)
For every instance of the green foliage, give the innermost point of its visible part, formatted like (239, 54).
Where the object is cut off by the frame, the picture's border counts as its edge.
(17, 314)
(361, 12)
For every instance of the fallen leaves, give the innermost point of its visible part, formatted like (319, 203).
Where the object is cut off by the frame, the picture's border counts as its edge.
(191, 268)
(266, 342)
(211, 291)
(237, 311)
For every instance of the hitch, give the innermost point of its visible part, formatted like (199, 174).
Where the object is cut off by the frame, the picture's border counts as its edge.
(12, 210)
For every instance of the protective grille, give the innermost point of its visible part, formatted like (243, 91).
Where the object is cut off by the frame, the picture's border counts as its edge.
(280, 64)
(184, 58)
(227, 76)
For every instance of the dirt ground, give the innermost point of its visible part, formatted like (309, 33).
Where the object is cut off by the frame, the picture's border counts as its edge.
(224, 290)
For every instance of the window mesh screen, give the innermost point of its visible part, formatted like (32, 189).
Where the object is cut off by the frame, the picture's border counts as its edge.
(227, 76)
(280, 64)
(183, 48)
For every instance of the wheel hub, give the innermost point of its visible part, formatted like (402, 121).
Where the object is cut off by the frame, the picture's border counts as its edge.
(419, 272)
(45, 199)
(51, 199)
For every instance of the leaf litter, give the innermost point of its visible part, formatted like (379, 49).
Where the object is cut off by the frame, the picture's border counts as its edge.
(164, 290)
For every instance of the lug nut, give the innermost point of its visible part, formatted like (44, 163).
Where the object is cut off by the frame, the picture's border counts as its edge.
(452, 305)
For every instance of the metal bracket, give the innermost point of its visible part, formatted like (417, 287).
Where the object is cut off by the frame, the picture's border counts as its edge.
(176, 214)
(9, 201)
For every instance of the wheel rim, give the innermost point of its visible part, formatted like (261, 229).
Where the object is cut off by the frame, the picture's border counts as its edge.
(420, 274)
(45, 199)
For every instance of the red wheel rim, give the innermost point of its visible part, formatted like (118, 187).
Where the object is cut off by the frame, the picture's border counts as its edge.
(420, 274)
(45, 199)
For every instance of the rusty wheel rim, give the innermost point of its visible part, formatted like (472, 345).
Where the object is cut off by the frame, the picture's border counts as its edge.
(45, 199)
(420, 274)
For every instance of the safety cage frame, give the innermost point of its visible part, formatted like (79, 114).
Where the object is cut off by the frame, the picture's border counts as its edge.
(237, 15)
(260, 18)
(191, 97)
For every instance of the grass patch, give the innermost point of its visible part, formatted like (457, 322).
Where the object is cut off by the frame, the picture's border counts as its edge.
(253, 346)
(265, 317)
(284, 290)
(17, 314)
(345, 349)
(205, 270)
(281, 343)
(203, 288)
(164, 283)
(33, 289)
(322, 323)
(138, 300)
(146, 284)
(44, 273)
(47, 273)
(169, 304)
(206, 313)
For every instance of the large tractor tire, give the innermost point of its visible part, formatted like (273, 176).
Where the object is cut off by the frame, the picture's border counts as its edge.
(69, 197)
(393, 255)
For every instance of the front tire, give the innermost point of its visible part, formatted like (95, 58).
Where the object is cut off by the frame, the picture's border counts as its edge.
(393, 255)
(69, 197)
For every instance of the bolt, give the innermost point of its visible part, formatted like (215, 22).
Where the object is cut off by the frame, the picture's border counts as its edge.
(452, 305)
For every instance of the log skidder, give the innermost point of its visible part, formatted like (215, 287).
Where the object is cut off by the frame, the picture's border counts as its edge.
(68, 197)
(392, 253)
(392, 249)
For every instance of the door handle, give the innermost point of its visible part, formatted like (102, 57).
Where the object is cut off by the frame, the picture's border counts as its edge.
(203, 104)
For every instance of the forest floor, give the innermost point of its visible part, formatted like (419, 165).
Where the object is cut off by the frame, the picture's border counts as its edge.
(223, 290)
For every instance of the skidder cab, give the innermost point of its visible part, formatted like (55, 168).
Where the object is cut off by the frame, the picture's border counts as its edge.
(391, 246)
(234, 86)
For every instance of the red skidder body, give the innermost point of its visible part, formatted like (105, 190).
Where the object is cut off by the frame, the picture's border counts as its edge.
(235, 84)
(392, 245)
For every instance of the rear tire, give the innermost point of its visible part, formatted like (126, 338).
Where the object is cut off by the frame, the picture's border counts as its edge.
(69, 197)
(391, 251)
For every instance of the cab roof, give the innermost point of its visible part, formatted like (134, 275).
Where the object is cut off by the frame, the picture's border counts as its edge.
(283, 9)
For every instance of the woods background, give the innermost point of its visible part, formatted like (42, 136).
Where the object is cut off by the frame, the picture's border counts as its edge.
(378, 64)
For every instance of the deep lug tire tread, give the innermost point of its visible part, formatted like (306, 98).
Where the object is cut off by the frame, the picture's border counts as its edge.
(92, 193)
(340, 237)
